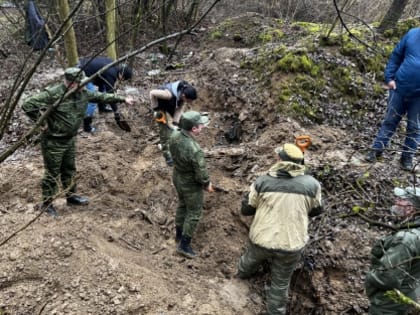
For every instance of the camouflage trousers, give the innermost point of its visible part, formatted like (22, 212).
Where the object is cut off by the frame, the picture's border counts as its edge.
(282, 266)
(164, 135)
(59, 165)
(190, 206)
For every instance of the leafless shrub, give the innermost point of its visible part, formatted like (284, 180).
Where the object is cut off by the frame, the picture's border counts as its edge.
(315, 10)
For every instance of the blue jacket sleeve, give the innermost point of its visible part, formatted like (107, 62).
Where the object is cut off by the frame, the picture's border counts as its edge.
(395, 60)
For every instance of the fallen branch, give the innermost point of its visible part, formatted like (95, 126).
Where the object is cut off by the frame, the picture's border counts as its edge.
(394, 227)
(23, 227)
(130, 244)
(398, 297)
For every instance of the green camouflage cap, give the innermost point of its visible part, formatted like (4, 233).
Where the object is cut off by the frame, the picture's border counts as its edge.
(74, 74)
(191, 119)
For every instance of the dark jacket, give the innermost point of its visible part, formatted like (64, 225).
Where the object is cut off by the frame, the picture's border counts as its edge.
(106, 80)
(172, 104)
(404, 64)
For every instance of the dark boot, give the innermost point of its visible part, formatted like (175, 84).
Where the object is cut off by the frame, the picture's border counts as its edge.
(104, 108)
(77, 200)
(184, 247)
(372, 156)
(87, 125)
(406, 163)
(178, 234)
(48, 208)
(169, 161)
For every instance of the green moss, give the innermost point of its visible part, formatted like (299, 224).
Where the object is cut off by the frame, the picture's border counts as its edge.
(217, 34)
(279, 50)
(378, 89)
(375, 64)
(284, 95)
(402, 28)
(332, 40)
(270, 35)
(310, 27)
(350, 48)
(295, 63)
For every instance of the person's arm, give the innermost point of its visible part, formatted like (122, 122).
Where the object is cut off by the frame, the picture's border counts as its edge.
(250, 201)
(200, 169)
(98, 97)
(172, 122)
(36, 104)
(395, 268)
(159, 94)
(317, 203)
(246, 208)
(178, 113)
(395, 60)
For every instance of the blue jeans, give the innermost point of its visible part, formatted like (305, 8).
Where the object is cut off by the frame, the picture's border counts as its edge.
(398, 106)
(91, 107)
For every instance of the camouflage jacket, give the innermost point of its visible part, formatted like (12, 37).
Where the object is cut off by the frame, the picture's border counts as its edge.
(189, 162)
(395, 262)
(66, 118)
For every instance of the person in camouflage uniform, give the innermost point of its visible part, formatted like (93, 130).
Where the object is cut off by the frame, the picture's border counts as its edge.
(281, 201)
(190, 177)
(167, 102)
(58, 138)
(395, 262)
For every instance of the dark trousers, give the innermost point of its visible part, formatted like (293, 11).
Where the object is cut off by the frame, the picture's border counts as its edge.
(282, 267)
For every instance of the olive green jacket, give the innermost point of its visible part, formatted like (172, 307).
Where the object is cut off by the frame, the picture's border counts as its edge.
(66, 118)
(189, 163)
(282, 202)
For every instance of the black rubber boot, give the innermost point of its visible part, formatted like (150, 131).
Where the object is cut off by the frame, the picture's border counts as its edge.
(87, 124)
(77, 200)
(178, 234)
(184, 247)
(372, 156)
(49, 209)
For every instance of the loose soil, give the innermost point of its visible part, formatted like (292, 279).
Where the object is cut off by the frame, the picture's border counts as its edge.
(117, 255)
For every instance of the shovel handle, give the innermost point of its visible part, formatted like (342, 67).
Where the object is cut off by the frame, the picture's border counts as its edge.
(302, 142)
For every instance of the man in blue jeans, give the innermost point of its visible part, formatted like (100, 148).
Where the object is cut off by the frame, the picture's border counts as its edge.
(402, 76)
(104, 83)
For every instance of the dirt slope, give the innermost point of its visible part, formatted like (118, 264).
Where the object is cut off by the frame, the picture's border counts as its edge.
(117, 255)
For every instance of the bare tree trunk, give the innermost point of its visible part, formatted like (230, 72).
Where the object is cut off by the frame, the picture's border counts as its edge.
(70, 43)
(136, 14)
(392, 15)
(21, 85)
(110, 13)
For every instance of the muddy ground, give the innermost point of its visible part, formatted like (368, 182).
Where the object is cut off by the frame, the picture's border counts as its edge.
(117, 255)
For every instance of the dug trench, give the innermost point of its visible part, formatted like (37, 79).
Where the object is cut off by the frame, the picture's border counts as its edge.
(117, 255)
